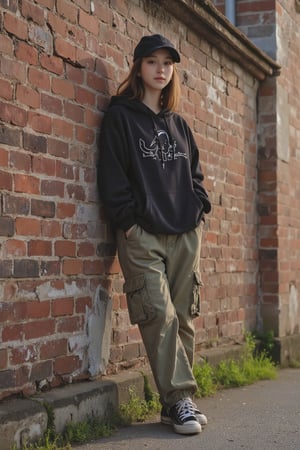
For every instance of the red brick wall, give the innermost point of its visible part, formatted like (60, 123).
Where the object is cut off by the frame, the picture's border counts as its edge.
(288, 168)
(274, 26)
(60, 63)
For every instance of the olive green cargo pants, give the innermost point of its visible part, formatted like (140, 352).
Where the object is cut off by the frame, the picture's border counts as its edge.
(162, 281)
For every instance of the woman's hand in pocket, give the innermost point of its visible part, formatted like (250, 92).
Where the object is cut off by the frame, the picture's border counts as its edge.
(127, 232)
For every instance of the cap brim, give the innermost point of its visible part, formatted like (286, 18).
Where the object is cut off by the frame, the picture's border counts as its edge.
(174, 53)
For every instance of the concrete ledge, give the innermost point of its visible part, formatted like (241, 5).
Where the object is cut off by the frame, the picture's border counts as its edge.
(215, 355)
(287, 350)
(20, 421)
(76, 402)
(23, 420)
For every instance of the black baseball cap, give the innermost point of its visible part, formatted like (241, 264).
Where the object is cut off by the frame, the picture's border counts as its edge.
(149, 44)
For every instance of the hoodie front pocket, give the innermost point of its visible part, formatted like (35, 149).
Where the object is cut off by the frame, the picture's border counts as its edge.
(140, 309)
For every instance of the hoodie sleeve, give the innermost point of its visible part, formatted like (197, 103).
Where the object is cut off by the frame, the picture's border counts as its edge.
(197, 175)
(113, 183)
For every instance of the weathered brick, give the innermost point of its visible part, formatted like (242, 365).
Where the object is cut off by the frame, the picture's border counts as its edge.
(82, 304)
(26, 268)
(58, 148)
(66, 365)
(5, 268)
(74, 112)
(72, 267)
(3, 158)
(51, 104)
(6, 90)
(43, 165)
(50, 268)
(53, 348)
(65, 49)
(27, 226)
(70, 324)
(64, 170)
(12, 114)
(33, 12)
(51, 228)
(40, 122)
(62, 128)
(12, 333)
(6, 181)
(7, 227)
(39, 78)
(84, 96)
(41, 37)
(52, 64)
(20, 161)
(3, 360)
(39, 247)
(42, 208)
(93, 267)
(15, 247)
(86, 249)
(67, 10)
(76, 192)
(65, 210)
(85, 135)
(16, 26)
(14, 70)
(88, 22)
(27, 184)
(63, 87)
(38, 329)
(65, 248)
(53, 188)
(10, 136)
(42, 370)
(7, 379)
(21, 355)
(62, 307)
(26, 53)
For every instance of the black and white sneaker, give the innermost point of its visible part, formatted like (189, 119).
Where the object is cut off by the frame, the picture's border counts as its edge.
(166, 419)
(183, 417)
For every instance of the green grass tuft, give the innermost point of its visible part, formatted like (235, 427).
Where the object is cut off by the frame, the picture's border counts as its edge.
(251, 368)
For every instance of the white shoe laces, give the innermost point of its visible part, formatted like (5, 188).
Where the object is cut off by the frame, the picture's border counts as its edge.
(185, 408)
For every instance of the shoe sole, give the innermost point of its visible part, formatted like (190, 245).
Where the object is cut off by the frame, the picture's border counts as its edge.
(188, 428)
(168, 421)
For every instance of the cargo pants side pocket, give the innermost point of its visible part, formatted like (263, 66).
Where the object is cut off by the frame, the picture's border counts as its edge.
(140, 309)
(195, 307)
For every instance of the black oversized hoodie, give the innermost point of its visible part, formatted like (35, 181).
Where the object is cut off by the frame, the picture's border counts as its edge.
(148, 169)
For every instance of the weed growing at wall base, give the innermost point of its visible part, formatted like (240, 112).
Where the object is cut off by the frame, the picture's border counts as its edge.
(251, 367)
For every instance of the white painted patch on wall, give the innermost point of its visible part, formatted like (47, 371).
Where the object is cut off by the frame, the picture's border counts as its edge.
(99, 332)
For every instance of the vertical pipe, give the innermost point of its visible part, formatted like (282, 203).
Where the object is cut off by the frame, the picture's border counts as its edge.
(230, 10)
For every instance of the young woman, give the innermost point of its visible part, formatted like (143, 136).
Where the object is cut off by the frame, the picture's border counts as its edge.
(150, 182)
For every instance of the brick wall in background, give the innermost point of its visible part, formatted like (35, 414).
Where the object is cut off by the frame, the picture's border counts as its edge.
(61, 60)
(288, 166)
(274, 27)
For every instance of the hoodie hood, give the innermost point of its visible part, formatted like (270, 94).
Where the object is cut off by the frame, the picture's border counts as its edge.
(136, 105)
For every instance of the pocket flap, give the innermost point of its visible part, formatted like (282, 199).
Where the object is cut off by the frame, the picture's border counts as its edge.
(134, 283)
(198, 278)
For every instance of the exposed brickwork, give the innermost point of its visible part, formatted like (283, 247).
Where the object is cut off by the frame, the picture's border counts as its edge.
(274, 26)
(60, 62)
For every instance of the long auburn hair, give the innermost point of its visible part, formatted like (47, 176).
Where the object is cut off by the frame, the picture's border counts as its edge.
(133, 87)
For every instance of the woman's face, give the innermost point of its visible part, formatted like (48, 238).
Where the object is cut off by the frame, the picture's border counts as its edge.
(157, 70)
